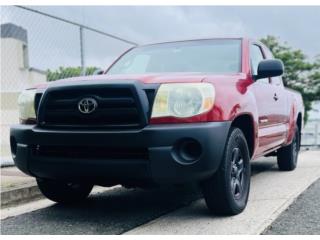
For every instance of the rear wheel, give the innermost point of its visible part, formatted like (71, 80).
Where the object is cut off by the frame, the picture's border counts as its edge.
(227, 192)
(288, 156)
(64, 192)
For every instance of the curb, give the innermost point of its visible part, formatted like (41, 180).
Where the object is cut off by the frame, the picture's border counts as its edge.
(22, 194)
(4, 165)
(6, 162)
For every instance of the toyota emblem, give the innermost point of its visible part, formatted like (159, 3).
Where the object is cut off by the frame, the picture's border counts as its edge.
(87, 105)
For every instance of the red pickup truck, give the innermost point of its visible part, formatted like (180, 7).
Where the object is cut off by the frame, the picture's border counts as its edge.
(168, 113)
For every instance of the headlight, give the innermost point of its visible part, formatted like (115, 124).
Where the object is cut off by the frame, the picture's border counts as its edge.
(26, 105)
(183, 99)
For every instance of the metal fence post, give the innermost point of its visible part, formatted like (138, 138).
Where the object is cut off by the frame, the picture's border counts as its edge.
(83, 68)
(316, 132)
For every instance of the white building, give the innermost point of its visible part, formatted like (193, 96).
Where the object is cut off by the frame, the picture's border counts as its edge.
(16, 75)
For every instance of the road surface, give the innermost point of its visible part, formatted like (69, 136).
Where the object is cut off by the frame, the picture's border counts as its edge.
(302, 217)
(167, 210)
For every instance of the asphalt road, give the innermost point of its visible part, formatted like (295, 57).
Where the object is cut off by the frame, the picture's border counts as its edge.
(121, 210)
(111, 212)
(302, 217)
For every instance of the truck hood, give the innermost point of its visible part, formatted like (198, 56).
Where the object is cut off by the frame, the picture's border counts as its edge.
(144, 78)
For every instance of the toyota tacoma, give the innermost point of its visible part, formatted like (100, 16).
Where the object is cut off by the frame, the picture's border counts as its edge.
(195, 111)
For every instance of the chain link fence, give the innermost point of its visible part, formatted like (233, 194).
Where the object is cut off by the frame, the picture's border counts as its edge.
(37, 47)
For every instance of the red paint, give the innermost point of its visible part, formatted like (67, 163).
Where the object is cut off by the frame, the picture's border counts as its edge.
(236, 94)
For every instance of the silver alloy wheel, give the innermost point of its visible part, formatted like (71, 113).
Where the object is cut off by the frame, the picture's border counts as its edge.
(237, 176)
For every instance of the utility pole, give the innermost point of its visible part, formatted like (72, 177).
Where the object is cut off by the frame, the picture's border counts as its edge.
(316, 133)
(83, 68)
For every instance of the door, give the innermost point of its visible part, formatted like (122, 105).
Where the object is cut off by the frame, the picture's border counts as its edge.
(281, 112)
(280, 116)
(270, 131)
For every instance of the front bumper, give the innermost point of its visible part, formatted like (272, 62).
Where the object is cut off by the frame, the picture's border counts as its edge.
(163, 163)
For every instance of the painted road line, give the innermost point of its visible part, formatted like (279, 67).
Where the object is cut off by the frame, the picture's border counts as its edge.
(271, 193)
(302, 217)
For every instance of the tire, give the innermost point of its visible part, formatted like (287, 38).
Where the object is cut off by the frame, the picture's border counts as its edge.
(63, 192)
(287, 157)
(227, 191)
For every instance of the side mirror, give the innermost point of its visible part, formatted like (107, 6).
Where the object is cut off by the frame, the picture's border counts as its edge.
(99, 71)
(270, 68)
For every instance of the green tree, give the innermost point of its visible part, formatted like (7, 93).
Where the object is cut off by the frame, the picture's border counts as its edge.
(301, 73)
(66, 72)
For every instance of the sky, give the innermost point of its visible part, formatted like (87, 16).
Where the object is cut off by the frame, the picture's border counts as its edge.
(296, 25)
(52, 43)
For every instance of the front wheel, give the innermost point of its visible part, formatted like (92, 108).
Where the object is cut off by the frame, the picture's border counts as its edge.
(227, 192)
(64, 192)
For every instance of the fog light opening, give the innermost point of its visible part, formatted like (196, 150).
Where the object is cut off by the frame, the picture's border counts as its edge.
(187, 151)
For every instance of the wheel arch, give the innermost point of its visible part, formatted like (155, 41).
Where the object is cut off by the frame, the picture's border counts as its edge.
(245, 123)
(299, 121)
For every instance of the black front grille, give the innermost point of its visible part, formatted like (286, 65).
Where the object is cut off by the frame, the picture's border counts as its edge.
(97, 152)
(117, 106)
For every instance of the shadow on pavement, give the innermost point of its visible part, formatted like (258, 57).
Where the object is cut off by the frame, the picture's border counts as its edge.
(111, 212)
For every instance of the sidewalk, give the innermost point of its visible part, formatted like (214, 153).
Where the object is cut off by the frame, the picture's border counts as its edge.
(17, 187)
(272, 191)
(302, 217)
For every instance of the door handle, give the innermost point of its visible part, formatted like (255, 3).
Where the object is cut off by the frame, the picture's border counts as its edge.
(264, 120)
(275, 97)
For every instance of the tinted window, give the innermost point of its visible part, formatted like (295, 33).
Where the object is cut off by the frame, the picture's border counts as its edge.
(255, 57)
(210, 56)
(268, 53)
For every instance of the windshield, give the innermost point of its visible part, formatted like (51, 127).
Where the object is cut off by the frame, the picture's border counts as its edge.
(204, 56)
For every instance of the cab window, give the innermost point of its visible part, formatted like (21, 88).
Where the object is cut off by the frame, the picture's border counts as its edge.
(256, 57)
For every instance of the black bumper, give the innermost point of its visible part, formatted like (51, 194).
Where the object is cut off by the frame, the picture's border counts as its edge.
(164, 161)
